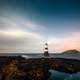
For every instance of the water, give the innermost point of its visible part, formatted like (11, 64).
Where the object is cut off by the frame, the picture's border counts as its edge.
(69, 56)
(55, 75)
(38, 55)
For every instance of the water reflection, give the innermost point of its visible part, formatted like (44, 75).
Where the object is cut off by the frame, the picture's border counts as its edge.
(55, 75)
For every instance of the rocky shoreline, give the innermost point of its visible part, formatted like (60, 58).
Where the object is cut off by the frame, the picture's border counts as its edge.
(19, 68)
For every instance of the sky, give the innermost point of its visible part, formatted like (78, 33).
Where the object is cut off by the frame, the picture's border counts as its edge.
(25, 25)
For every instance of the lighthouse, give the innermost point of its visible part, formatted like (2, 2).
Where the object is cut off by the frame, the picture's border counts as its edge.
(46, 53)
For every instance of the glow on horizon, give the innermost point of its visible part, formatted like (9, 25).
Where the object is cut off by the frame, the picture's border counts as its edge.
(62, 44)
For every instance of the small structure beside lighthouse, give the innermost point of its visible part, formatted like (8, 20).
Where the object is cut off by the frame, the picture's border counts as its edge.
(46, 53)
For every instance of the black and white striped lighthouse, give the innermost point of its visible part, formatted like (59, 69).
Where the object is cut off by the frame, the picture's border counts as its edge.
(46, 53)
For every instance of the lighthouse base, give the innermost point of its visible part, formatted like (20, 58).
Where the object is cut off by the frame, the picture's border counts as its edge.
(46, 54)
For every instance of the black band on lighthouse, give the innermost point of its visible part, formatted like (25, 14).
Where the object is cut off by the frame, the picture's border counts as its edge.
(46, 50)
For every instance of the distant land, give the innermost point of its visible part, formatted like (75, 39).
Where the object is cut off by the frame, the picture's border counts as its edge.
(71, 51)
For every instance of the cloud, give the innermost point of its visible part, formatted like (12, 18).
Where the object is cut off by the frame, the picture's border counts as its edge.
(18, 22)
(20, 41)
(16, 35)
(21, 34)
(62, 44)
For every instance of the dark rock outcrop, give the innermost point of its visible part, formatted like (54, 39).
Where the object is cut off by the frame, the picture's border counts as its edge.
(73, 51)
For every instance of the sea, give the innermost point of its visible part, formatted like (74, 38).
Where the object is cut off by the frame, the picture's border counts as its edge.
(55, 75)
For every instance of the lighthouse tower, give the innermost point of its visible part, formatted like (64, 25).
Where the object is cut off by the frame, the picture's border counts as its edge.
(46, 53)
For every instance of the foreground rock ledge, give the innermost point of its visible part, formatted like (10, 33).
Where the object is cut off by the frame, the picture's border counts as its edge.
(18, 68)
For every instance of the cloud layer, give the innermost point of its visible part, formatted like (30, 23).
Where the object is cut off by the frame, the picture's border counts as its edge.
(19, 41)
(18, 35)
(62, 44)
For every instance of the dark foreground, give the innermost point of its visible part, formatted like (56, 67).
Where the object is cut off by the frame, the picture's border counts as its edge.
(19, 68)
